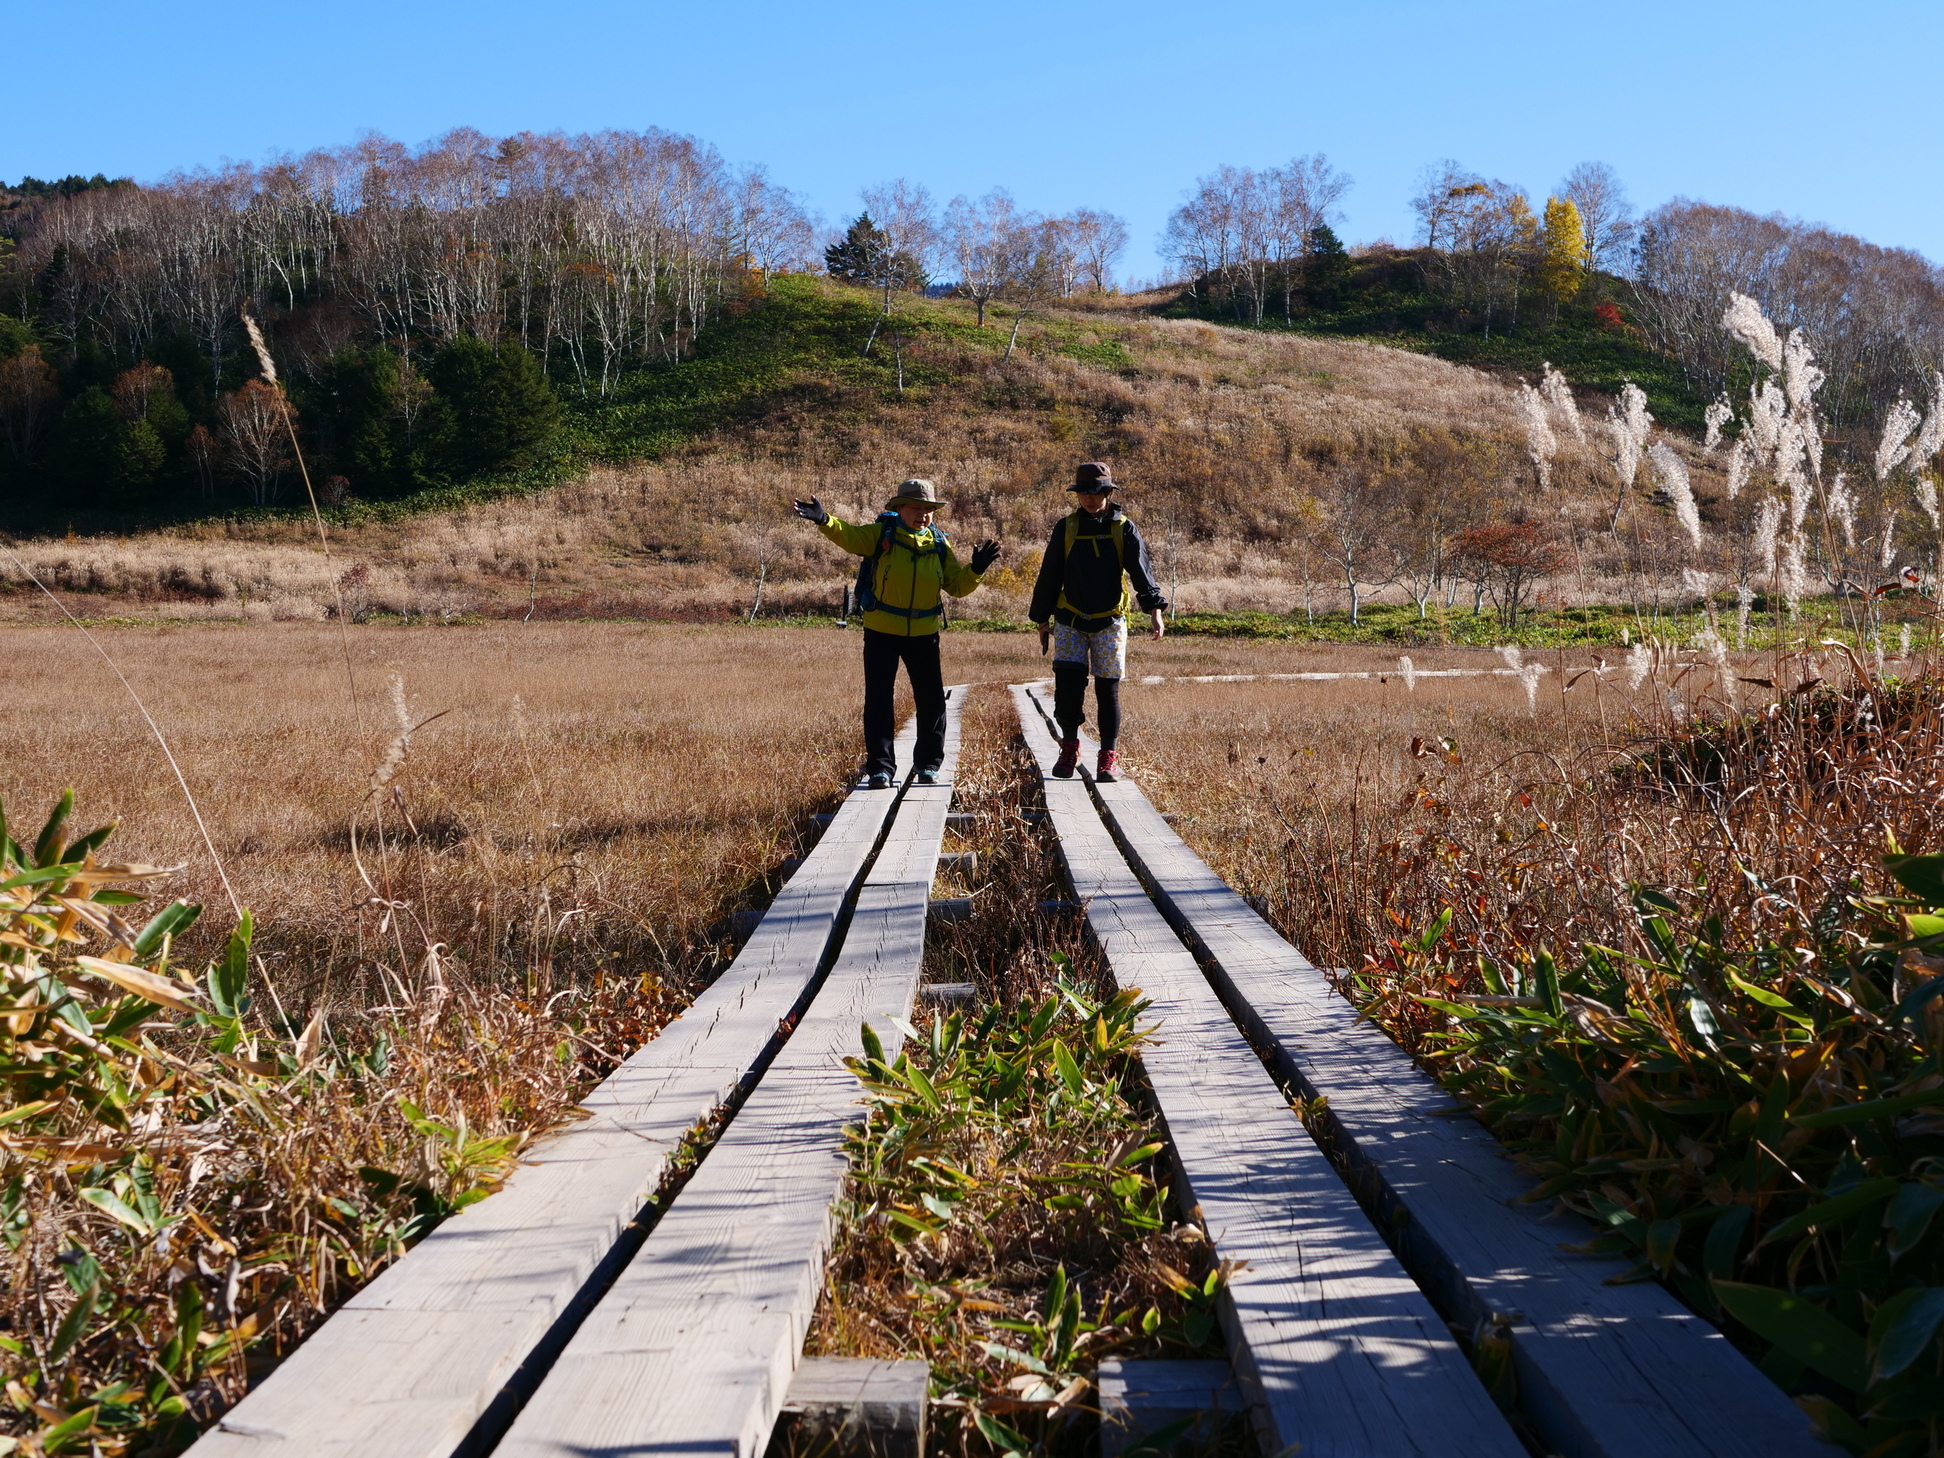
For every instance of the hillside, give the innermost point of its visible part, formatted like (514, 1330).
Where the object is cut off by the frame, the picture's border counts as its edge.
(1225, 438)
(1388, 295)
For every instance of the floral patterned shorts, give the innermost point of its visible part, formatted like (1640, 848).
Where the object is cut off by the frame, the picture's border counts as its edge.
(1104, 650)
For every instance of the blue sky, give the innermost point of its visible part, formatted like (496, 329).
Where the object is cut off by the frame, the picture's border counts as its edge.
(1822, 111)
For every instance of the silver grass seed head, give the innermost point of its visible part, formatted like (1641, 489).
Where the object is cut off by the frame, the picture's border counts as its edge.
(1800, 376)
(1894, 446)
(1718, 414)
(262, 350)
(1559, 395)
(1640, 663)
(1738, 467)
(1674, 481)
(1745, 320)
(1842, 506)
(1930, 436)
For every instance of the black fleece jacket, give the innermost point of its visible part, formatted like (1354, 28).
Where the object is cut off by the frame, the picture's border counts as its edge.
(1091, 577)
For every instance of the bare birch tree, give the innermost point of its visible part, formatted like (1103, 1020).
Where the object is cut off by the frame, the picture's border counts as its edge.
(255, 442)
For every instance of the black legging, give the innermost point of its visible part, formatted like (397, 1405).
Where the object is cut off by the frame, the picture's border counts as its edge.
(1070, 703)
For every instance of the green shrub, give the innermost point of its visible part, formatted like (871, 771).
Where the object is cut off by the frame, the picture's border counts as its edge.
(1761, 1127)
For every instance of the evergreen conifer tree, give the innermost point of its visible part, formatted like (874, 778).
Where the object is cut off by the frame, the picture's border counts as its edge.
(1326, 265)
(856, 257)
(500, 410)
(864, 256)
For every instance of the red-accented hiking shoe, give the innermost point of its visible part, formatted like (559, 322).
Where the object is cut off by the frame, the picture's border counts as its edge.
(1069, 759)
(1109, 762)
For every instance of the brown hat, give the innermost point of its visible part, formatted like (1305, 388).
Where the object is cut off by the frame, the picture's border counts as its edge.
(1093, 476)
(919, 492)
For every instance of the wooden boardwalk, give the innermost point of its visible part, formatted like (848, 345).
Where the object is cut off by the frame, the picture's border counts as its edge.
(1341, 1354)
(1611, 1370)
(691, 1351)
(561, 1317)
(434, 1356)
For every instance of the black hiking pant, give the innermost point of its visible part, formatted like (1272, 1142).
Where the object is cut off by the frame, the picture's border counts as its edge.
(1070, 703)
(919, 654)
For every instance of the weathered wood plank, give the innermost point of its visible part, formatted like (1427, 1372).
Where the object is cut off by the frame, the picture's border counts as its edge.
(411, 1364)
(857, 1407)
(1606, 1370)
(1140, 1398)
(693, 1348)
(1340, 1353)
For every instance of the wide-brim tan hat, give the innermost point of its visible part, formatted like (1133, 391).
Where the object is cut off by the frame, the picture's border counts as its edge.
(918, 492)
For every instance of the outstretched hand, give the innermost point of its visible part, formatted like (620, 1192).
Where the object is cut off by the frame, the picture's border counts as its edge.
(811, 510)
(984, 555)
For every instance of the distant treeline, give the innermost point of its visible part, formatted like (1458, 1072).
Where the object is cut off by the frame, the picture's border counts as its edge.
(1257, 247)
(412, 294)
(426, 305)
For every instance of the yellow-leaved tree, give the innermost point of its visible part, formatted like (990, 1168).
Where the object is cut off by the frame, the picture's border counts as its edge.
(1562, 255)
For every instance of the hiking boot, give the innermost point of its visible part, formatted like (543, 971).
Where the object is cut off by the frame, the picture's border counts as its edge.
(1104, 771)
(925, 777)
(1069, 759)
(879, 781)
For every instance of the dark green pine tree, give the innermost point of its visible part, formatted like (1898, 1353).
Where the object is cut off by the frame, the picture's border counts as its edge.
(858, 257)
(1326, 266)
(500, 412)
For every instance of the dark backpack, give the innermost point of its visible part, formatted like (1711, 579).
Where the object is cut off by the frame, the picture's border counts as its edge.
(866, 593)
(1118, 531)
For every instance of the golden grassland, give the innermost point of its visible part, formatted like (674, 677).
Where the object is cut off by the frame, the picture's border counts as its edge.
(529, 883)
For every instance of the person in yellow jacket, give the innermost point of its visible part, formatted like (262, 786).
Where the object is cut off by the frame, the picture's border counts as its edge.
(902, 596)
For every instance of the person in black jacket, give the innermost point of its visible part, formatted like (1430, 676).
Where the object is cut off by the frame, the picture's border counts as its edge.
(1080, 608)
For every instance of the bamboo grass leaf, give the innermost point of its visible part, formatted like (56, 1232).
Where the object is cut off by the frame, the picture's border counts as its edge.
(1903, 1329)
(47, 846)
(1801, 1329)
(1909, 1217)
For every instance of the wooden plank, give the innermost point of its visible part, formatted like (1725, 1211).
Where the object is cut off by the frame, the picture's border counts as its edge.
(412, 1363)
(1603, 1369)
(1339, 1351)
(857, 1407)
(1140, 1398)
(692, 1350)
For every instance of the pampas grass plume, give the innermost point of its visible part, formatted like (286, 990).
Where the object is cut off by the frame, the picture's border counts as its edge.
(1745, 320)
(1894, 446)
(1674, 481)
(1718, 414)
(262, 349)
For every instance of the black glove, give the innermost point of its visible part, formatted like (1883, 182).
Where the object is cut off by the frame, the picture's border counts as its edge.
(812, 510)
(984, 555)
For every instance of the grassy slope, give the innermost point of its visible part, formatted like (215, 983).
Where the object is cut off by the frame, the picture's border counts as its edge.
(684, 469)
(1385, 301)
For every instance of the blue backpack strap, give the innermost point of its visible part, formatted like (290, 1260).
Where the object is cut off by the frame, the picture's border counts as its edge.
(866, 593)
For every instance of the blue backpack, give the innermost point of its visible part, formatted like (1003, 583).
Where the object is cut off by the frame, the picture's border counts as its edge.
(867, 598)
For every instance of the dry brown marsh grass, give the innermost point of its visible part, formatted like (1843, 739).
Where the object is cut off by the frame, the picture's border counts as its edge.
(547, 872)
(1359, 810)
(459, 929)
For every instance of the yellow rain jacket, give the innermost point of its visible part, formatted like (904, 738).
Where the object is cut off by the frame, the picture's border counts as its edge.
(913, 572)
